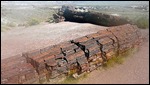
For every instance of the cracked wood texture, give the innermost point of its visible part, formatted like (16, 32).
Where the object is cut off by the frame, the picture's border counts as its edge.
(80, 55)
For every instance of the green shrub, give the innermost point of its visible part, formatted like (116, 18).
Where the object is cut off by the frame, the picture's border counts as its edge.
(4, 28)
(33, 21)
(142, 22)
(50, 20)
(120, 58)
(113, 61)
(11, 24)
(7, 26)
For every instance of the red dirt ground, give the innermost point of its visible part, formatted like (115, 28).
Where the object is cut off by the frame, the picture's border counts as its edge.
(21, 40)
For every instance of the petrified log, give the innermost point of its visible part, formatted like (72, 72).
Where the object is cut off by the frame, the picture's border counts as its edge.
(76, 56)
(70, 13)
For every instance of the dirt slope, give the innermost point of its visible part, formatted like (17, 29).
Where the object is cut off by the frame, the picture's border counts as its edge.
(21, 40)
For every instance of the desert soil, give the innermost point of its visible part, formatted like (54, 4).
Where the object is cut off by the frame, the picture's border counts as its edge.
(25, 39)
(134, 70)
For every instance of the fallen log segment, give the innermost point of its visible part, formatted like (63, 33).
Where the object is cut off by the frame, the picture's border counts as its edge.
(73, 14)
(80, 55)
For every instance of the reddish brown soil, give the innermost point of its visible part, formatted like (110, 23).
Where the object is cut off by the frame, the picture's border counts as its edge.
(21, 40)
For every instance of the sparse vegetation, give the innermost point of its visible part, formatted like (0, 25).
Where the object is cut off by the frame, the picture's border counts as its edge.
(33, 21)
(22, 16)
(142, 22)
(50, 20)
(114, 60)
(4, 28)
(137, 17)
(17, 15)
(71, 80)
(11, 24)
(119, 59)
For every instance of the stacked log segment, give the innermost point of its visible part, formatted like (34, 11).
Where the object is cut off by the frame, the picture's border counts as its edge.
(80, 55)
